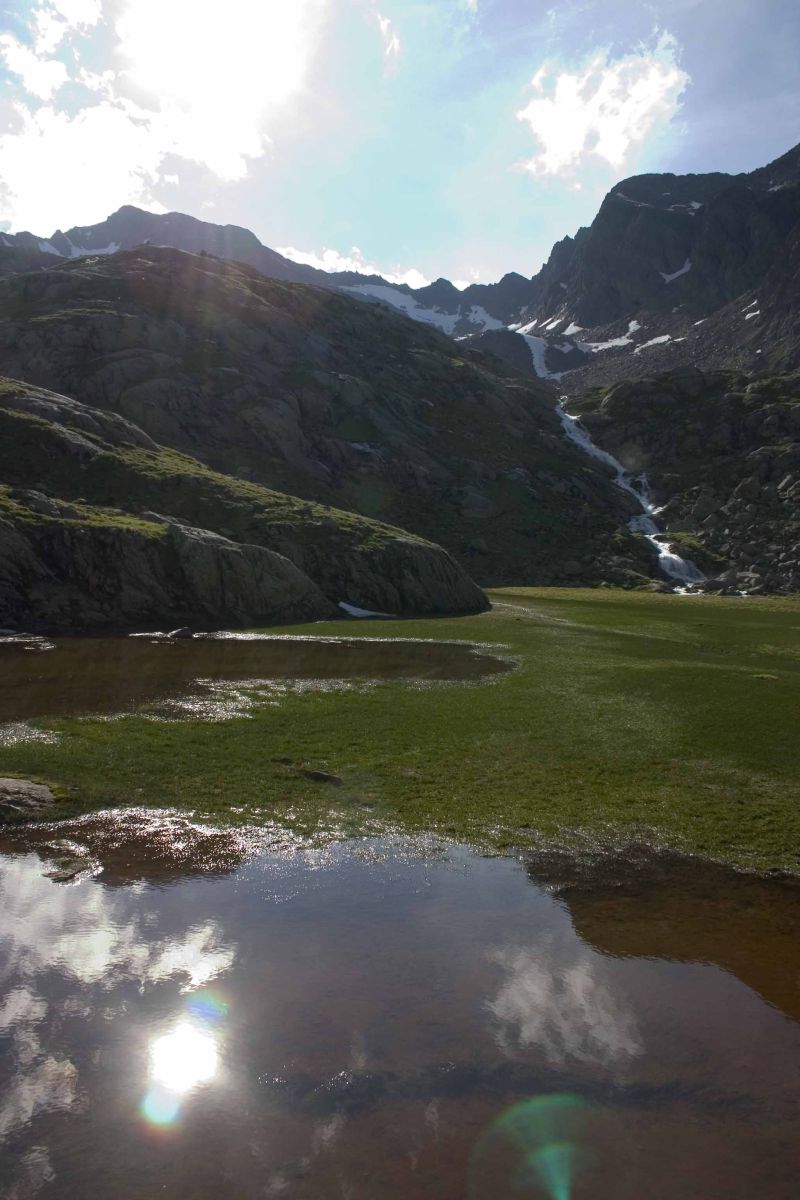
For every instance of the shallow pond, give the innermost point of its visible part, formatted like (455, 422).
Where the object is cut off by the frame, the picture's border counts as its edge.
(198, 676)
(210, 1013)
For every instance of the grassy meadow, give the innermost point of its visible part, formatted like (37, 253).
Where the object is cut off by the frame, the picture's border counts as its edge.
(670, 720)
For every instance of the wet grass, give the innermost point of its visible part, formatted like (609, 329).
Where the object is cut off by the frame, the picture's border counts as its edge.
(631, 716)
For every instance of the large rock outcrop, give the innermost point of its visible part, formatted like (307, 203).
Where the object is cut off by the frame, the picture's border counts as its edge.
(67, 568)
(313, 393)
(102, 527)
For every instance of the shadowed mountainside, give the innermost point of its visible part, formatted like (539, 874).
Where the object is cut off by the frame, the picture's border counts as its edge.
(313, 393)
(102, 527)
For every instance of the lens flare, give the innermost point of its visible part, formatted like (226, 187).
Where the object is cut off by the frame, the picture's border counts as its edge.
(183, 1059)
(206, 1006)
(533, 1149)
(160, 1106)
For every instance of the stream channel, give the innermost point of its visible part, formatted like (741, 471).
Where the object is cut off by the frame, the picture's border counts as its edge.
(681, 570)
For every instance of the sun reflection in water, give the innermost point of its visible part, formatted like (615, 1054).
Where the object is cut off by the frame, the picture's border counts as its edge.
(183, 1059)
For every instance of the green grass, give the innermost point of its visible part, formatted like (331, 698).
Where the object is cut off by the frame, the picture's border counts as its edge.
(83, 515)
(631, 715)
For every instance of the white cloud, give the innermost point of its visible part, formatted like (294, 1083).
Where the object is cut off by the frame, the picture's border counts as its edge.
(204, 85)
(102, 157)
(40, 77)
(332, 260)
(604, 108)
(55, 19)
(77, 12)
(391, 42)
(213, 75)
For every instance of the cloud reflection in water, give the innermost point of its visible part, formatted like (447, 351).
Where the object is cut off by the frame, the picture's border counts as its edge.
(98, 941)
(566, 1009)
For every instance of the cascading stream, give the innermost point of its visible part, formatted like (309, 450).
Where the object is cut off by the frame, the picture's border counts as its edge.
(681, 570)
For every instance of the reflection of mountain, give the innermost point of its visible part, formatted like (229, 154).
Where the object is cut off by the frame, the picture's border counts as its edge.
(645, 906)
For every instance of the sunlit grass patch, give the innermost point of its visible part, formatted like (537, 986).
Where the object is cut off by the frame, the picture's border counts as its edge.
(629, 716)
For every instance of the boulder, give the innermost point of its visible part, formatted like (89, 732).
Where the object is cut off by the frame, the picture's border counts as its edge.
(21, 797)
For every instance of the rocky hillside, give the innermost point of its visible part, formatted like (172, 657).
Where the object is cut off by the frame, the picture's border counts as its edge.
(310, 392)
(722, 453)
(663, 251)
(102, 527)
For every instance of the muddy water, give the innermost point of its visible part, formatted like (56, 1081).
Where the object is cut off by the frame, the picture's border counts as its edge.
(205, 1014)
(79, 676)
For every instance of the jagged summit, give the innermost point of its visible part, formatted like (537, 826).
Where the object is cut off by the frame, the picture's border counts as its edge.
(664, 252)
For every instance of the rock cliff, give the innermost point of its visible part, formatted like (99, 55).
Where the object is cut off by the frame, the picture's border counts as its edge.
(102, 527)
(722, 453)
(311, 392)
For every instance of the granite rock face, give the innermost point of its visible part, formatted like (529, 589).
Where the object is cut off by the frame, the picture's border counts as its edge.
(119, 532)
(721, 450)
(60, 573)
(324, 397)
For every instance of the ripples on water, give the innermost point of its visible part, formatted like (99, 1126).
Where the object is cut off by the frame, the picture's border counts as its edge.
(204, 1013)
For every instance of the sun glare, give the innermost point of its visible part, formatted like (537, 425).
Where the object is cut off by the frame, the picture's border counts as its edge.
(213, 71)
(183, 1059)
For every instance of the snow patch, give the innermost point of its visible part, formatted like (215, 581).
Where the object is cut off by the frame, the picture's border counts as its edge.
(572, 328)
(353, 610)
(82, 252)
(445, 321)
(48, 248)
(630, 200)
(538, 349)
(624, 340)
(668, 278)
(407, 304)
(750, 316)
(479, 316)
(657, 341)
(752, 304)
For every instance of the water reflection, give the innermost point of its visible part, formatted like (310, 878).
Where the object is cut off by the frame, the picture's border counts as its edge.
(568, 1010)
(212, 677)
(179, 1062)
(372, 1020)
(642, 905)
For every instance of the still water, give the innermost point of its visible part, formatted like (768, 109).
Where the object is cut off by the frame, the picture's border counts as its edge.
(214, 675)
(203, 1014)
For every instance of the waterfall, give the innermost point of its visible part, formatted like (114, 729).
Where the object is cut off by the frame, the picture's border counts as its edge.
(681, 570)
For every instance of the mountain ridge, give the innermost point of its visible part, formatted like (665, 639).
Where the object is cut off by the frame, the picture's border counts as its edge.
(659, 240)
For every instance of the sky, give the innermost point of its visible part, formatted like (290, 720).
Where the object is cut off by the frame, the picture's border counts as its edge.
(414, 138)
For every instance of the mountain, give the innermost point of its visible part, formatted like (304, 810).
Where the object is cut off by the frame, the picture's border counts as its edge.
(671, 323)
(721, 450)
(313, 393)
(101, 527)
(130, 226)
(663, 252)
(439, 304)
